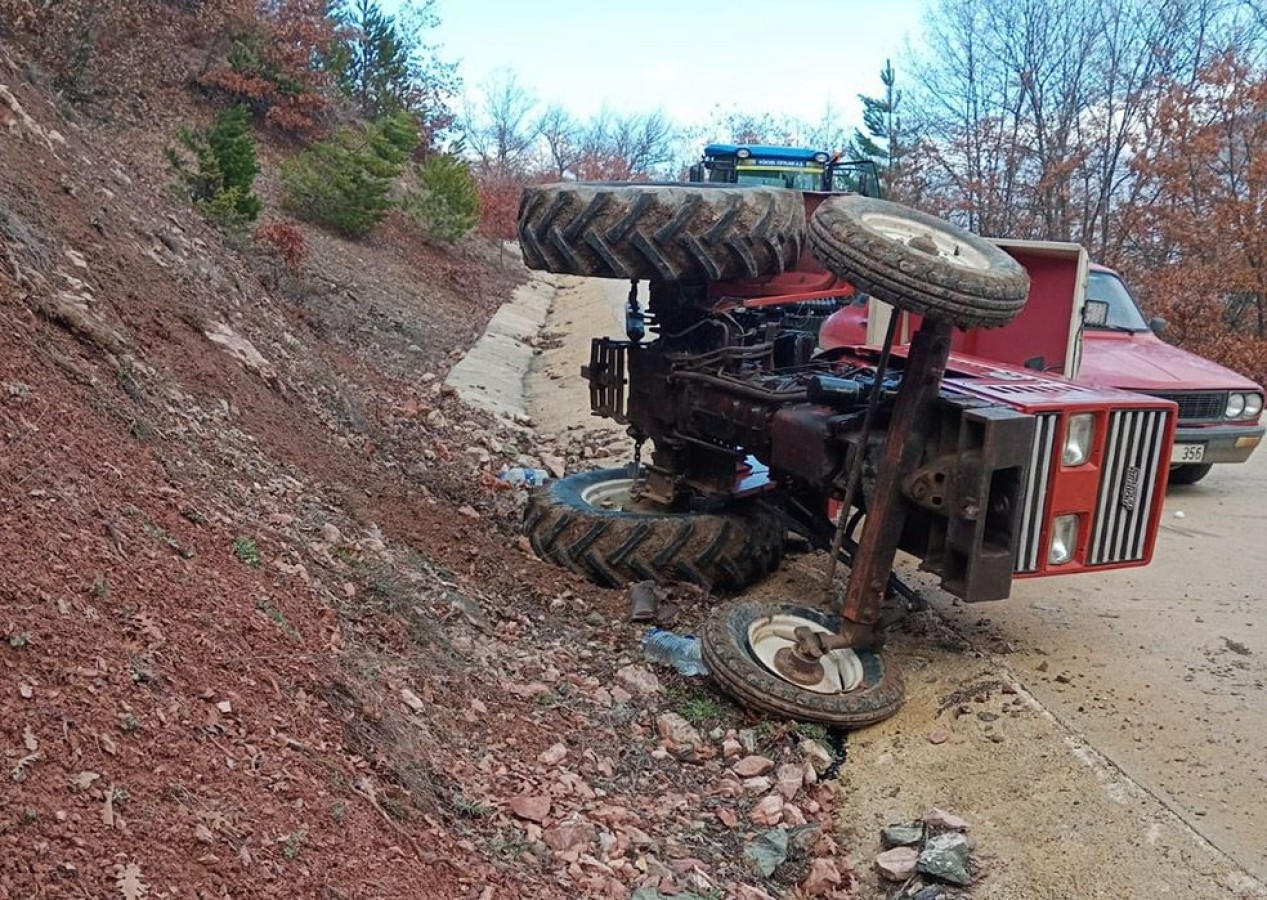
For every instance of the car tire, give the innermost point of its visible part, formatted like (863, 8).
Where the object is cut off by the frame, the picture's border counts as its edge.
(568, 522)
(1189, 473)
(660, 232)
(918, 262)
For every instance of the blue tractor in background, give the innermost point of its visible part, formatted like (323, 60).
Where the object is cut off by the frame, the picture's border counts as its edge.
(795, 168)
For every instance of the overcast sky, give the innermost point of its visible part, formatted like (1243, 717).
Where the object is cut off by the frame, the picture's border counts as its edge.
(774, 56)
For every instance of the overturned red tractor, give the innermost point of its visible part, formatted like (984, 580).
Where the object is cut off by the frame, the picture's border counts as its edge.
(742, 432)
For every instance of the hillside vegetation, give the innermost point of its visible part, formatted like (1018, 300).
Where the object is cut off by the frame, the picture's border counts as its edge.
(267, 628)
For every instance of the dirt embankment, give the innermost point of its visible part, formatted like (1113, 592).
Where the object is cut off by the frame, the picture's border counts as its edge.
(266, 625)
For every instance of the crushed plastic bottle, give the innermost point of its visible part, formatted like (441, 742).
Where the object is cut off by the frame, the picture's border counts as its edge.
(682, 653)
(526, 477)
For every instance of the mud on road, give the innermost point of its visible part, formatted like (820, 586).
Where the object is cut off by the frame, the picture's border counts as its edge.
(1105, 735)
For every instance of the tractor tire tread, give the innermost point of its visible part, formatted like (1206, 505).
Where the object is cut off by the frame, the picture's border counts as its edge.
(661, 232)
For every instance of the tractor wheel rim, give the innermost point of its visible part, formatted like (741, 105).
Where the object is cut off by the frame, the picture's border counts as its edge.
(614, 494)
(841, 669)
(948, 246)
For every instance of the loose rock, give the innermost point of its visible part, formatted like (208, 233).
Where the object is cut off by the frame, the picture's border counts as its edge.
(532, 807)
(768, 811)
(939, 818)
(817, 755)
(553, 755)
(767, 851)
(823, 878)
(751, 766)
(677, 733)
(945, 857)
(638, 679)
(573, 834)
(902, 835)
(790, 777)
(897, 864)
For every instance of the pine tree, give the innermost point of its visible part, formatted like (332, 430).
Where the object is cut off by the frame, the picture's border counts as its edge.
(221, 179)
(882, 139)
(373, 62)
(344, 182)
(446, 202)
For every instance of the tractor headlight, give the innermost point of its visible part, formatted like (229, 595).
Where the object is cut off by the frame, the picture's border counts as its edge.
(1064, 538)
(743, 153)
(1235, 405)
(820, 157)
(1253, 405)
(1078, 439)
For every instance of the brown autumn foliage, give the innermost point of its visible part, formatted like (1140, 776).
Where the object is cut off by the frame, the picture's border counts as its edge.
(1199, 250)
(99, 52)
(499, 206)
(274, 65)
(285, 241)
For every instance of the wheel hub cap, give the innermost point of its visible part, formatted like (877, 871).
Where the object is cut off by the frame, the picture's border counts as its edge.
(772, 640)
(931, 241)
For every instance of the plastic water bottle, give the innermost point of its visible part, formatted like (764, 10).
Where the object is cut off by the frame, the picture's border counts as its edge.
(682, 653)
(526, 477)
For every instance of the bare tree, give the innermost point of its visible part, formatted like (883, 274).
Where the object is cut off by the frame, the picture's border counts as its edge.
(645, 142)
(635, 147)
(500, 127)
(562, 136)
(1032, 110)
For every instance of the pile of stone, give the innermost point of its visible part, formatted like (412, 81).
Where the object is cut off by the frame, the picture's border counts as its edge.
(926, 856)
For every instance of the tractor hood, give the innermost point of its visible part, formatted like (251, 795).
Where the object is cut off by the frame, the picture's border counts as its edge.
(1142, 362)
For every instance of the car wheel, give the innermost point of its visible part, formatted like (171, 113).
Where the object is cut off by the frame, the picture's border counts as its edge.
(1190, 473)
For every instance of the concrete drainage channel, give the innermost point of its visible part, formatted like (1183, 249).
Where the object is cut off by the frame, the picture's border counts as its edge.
(491, 375)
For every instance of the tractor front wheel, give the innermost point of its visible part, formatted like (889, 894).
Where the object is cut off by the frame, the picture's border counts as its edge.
(739, 643)
(918, 262)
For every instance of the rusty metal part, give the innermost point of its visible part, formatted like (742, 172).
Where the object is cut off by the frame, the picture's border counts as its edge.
(860, 449)
(742, 389)
(607, 380)
(643, 601)
(852, 636)
(967, 500)
(903, 448)
(789, 646)
(798, 668)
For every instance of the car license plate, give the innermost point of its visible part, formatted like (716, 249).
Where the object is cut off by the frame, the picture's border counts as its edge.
(1187, 453)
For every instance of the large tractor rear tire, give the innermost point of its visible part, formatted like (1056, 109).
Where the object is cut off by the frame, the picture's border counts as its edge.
(664, 232)
(918, 262)
(589, 524)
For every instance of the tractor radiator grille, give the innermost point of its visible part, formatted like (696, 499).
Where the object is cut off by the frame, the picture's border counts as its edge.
(1128, 482)
(1029, 547)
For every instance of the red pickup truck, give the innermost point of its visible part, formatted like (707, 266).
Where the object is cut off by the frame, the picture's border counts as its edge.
(1219, 411)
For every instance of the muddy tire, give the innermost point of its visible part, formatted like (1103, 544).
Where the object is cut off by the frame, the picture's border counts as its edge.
(664, 232)
(918, 262)
(569, 523)
(726, 651)
(1189, 473)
